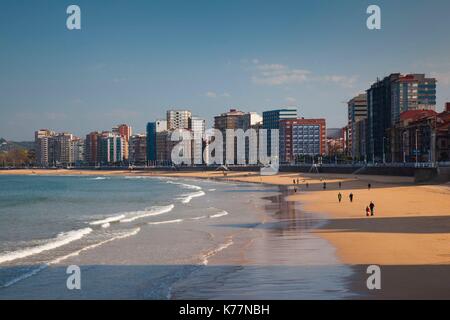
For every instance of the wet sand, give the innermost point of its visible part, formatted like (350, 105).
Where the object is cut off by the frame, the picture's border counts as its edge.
(282, 259)
(408, 237)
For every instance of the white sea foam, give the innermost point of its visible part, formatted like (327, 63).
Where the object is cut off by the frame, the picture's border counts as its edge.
(106, 225)
(73, 254)
(136, 177)
(188, 197)
(61, 240)
(153, 211)
(185, 185)
(166, 222)
(107, 220)
(198, 218)
(24, 276)
(213, 252)
(220, 214)
(99, 178)
(76, 253)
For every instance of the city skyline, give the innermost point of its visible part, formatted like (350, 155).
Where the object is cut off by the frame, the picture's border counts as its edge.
(130, 64)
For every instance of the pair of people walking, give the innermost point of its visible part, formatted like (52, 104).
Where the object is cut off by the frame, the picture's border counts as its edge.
(370, 209)
(350, 196)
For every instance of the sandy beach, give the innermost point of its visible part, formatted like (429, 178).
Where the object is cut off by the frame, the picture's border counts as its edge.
(408, 237)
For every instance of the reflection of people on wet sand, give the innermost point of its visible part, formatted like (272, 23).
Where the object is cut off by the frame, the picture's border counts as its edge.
(372, 207)
(324, 185)
(339, 197)
(367, 211)
(340, 184)
(351, 197)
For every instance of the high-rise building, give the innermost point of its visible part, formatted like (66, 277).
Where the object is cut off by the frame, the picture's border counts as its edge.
(386, 100)
(92, 148)
(360, 140)
(125, 131)
(178, 119)
(54, 148)
(111, 148)
(357, 111)
(78, 150)
(302, 137)
(162, 148)
(153, 130)
(249, 120)
(229, 120)
(198, 127)
(138, 149)
(62, 148)
(412, 92)
(41, 138)
(271, 120)
(379, 101)
(232, 119)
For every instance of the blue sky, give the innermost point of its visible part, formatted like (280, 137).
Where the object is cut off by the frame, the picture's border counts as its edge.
(134, 59)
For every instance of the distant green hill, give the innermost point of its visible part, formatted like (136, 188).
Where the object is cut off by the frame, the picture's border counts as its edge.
(6, 145)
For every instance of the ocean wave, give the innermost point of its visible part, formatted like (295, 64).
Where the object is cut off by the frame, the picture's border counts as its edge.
(185, 185)
(213, 252)
(60, 259)
(61, 240)
(166, 222)
(76, 253)
(188, 197)
(153, 211)
(107, 220)
(99, 178)
(198, 218)
(220, 214)
(136, 177)
(24, 276)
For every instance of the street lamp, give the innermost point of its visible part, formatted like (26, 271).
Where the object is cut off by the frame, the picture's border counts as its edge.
(373, 150)
(404, 149)
(417, 148)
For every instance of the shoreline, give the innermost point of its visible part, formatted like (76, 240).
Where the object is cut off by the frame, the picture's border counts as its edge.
(407, 237)
(262, 237)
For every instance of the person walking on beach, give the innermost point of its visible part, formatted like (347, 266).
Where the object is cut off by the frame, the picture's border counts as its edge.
(340, 184)
(293, 181)
(369, 186)
(367, 211)
(351, 197)
(372, 207)
(339, 197)
(307, 185)
(324, 185)
(298, 181)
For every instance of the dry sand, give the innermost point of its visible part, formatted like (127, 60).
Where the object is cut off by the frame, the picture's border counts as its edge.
(409, 236)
